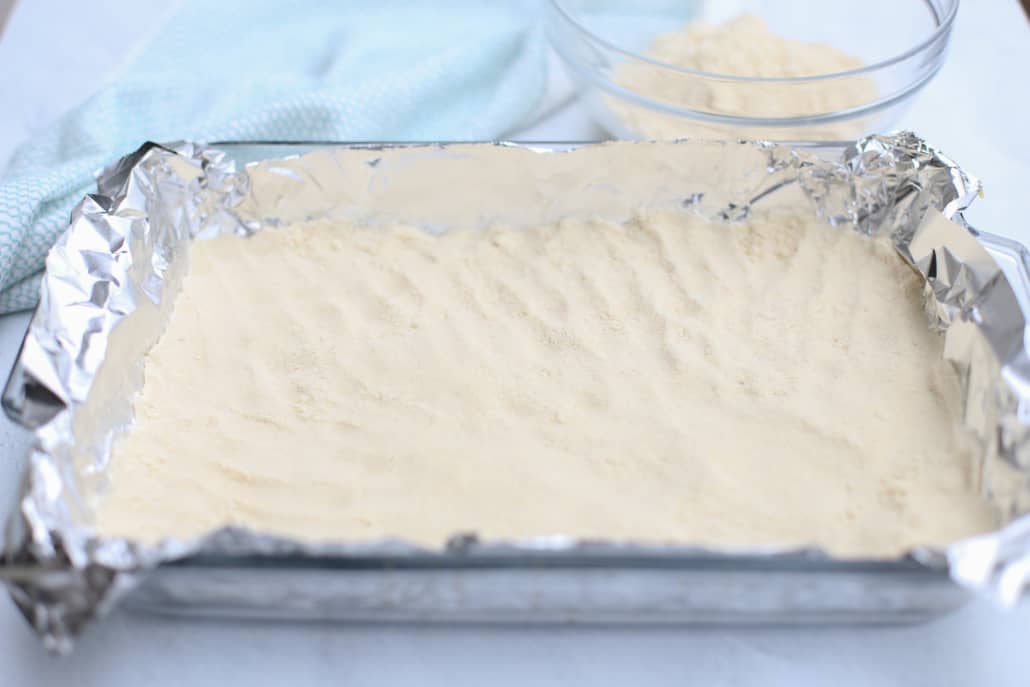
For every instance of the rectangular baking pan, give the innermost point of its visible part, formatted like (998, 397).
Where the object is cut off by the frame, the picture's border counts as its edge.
(546, 588)
(237, 574)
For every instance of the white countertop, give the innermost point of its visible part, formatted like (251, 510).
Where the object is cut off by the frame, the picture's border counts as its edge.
(973, 110)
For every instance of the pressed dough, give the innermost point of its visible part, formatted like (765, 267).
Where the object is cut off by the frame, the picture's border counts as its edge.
(666, 379)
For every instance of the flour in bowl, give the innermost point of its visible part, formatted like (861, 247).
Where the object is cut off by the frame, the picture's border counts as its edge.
(741, 47)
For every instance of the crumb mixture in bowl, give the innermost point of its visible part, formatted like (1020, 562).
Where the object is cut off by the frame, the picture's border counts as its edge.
(742, 47)
(808, 72)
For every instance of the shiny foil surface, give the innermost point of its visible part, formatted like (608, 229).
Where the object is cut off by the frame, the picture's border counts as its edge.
(112, 277)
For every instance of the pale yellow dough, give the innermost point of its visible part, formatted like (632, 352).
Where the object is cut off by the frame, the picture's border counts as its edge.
(664, 379)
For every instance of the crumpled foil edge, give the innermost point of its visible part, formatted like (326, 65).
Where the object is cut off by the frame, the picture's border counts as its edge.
(61, 575)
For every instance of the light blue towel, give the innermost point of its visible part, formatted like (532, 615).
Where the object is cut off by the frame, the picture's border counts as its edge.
(275, 69)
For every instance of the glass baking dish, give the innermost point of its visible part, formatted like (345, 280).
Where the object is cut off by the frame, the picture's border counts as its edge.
(548, 581)
(644, 588)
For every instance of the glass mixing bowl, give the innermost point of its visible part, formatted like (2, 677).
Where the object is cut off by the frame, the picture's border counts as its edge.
(901, 44)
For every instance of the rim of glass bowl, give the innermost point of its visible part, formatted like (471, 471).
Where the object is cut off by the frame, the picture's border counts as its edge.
(944, 23)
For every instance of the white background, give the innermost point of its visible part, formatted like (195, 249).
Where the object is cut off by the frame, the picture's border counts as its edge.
(976, 110)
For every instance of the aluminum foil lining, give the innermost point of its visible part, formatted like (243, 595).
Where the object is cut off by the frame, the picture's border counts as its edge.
(111, 279)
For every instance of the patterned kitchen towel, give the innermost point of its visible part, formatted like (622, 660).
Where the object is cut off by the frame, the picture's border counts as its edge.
(278, 69)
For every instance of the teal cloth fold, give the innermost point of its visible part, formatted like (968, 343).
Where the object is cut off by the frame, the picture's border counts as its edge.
(278, 70)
